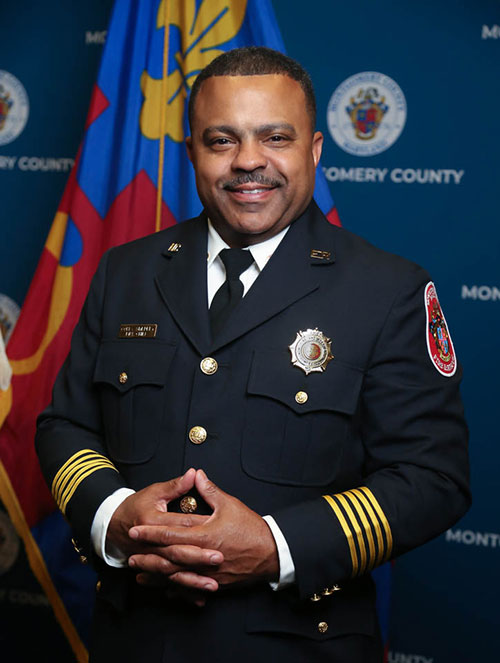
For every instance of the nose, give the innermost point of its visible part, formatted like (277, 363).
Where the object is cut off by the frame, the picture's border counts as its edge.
(249, 156)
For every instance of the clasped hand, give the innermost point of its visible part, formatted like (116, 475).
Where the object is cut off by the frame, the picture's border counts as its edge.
(197, 553)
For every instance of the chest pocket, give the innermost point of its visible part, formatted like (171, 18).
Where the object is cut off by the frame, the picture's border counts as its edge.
(297, 424)
(131, 377)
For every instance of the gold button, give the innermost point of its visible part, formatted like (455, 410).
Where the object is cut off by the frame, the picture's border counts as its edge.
(315, 597)
(98, 586)
(123, 377)
(188, 504)
(209, 366)
(197, 434)
(322, 627)
(301, 397)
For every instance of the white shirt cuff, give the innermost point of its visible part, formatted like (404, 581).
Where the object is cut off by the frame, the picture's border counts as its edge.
(287, 567)
(110, 554)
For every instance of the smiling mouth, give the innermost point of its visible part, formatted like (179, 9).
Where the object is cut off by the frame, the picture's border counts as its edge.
(251, 185)
(251, 192)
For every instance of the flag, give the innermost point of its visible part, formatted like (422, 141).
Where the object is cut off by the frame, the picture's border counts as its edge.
(131, 178)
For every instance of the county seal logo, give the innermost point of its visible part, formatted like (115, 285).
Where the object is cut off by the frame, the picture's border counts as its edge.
(366, 113)
(14, 107)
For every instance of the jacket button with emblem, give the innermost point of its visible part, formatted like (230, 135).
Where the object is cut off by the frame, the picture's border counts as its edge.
(98, 586)
(301, 397)
(197, 434)
(123, 377)
(322, 627)
(188, 504)
(209, 366)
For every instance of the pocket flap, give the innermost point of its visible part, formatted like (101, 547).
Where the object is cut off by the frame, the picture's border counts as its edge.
(124, 364)
(335, 389)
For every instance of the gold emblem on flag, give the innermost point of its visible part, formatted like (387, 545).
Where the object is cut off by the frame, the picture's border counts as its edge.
(311, 351)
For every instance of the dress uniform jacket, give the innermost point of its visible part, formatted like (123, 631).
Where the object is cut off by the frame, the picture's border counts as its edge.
(357, 463)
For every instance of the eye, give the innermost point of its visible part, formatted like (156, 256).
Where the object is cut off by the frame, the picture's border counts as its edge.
(221, 142)
(277, 139)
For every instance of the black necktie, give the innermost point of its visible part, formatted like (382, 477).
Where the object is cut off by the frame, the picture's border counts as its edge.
(236, 261)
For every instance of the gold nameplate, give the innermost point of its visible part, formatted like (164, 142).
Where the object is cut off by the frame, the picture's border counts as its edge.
(137, 331)
(320, 255)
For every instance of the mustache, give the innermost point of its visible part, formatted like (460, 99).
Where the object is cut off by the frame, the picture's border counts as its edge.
(256, 178)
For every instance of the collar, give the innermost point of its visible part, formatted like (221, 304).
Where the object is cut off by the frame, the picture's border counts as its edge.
(261, 252)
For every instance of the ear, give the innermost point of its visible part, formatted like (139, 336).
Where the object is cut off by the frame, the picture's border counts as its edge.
(189, 148)
(317, 146)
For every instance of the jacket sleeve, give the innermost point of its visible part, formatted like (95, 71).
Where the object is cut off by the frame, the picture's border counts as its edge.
(69, 439)
(414, 443)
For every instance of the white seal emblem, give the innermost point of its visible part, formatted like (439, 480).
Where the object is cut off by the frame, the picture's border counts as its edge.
(9, 313)
(366, 113)
(14, 107)
(311, 351)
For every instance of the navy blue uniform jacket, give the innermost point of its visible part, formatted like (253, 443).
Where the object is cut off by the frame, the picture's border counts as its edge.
(372, 464)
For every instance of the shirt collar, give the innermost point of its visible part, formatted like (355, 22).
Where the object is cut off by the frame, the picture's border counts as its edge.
(260, 252)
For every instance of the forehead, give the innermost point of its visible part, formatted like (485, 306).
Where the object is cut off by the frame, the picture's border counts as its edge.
(270, 98)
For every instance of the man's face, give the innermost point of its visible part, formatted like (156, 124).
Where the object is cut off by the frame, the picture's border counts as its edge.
(254, 154)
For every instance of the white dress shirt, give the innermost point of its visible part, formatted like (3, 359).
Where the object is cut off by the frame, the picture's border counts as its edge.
(216, 275)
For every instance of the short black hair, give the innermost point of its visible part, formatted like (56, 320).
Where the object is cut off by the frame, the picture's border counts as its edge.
(255, 61)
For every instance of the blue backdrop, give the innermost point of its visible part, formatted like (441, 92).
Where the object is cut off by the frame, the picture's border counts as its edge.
(420, 179)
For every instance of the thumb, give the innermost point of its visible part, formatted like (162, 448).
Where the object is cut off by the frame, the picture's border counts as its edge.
(171, 490)
(211, 493)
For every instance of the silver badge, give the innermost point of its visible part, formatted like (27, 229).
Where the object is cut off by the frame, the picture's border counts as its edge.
(311, 351)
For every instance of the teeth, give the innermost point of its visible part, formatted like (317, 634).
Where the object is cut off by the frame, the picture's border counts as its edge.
(251, 191)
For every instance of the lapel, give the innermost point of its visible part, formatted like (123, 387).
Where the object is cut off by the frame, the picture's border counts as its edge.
(182, 281)
(290, 274)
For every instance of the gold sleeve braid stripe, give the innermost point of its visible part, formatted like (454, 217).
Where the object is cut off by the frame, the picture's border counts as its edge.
(77, 468)
(365, 527)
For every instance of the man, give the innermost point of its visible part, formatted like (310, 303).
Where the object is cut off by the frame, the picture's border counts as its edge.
(318, 401)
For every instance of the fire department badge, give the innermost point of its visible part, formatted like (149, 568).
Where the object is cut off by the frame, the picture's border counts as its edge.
(439, 343)
(311, 351)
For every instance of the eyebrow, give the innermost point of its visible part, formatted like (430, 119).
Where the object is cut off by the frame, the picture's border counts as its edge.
(262, 129)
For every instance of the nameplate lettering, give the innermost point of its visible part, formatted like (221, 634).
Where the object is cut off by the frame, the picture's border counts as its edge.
(138, 331)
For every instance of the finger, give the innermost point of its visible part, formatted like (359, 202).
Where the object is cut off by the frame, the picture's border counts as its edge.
(172, 519)
(176, 557)
(152, 564)
(168, 536)
(194, 581)
(211, 493)
(193, 556)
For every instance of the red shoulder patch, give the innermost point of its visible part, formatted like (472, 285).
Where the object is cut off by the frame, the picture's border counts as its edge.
(439, 343)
